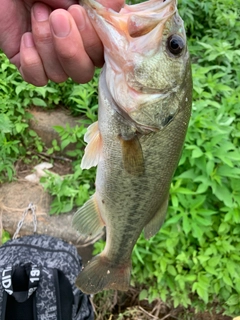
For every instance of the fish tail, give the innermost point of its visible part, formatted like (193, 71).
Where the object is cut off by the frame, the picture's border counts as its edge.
(100, 274)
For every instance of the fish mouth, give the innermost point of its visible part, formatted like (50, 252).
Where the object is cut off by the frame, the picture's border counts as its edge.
(138, 19)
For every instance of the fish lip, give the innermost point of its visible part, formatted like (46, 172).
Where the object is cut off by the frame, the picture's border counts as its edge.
(141, 9)
(145, 6)
(132, 22)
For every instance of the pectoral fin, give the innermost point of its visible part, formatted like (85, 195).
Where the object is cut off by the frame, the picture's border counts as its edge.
(91, 131)
(132, 155)
(94, 147)
(156, 222)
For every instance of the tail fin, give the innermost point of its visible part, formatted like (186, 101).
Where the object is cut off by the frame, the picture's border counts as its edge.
(100, 274)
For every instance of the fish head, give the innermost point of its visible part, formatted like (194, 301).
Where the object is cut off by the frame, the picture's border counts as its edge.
(147, 60)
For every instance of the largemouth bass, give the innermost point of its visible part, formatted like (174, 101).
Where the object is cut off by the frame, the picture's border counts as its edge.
(145, 93)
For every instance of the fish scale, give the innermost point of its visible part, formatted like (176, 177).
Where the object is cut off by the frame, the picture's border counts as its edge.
(136, 155)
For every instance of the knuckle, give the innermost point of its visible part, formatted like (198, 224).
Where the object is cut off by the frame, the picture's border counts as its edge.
(28, 61)
(58, 78)
(70, 54)
(83, 77)
(34, 79)
(42, 37)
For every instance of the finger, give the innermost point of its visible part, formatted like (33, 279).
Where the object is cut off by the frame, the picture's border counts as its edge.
(44, 43)
(92, 44)
(31, 66)
(69, 47)
(55, 4)
(14, 22)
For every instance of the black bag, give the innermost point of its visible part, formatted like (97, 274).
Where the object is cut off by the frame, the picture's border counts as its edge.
(37, 281)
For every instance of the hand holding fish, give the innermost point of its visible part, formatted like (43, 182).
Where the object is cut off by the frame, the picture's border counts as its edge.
(51, 39)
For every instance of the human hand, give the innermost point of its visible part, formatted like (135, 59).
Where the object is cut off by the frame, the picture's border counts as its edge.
(46, 42)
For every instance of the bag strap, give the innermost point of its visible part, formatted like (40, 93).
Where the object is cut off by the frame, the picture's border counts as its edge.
(64, 295)
(21, 282)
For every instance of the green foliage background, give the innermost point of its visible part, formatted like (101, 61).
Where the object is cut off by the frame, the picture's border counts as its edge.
(194, 260)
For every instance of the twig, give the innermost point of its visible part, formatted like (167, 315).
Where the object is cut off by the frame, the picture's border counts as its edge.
(147, 313)
(157, 308)
(168, 315)
(115, 299)
(51, 156)
(43, 156)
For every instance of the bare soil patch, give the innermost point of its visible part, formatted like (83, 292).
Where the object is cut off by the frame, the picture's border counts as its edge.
(126, 306)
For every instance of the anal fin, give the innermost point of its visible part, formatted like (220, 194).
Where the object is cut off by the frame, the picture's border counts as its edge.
(94, 147)
(156, 222)
(87, 220)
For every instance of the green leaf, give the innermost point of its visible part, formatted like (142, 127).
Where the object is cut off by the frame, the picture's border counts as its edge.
(203, 293)
(172, 270)
(39, 102)
(214, 261)
(5, 124)
(174, 219)
(227, 279)
(143, 294)
(186, 224)
(233, 300)
(190, 277)
(211, 270)
(197, 153)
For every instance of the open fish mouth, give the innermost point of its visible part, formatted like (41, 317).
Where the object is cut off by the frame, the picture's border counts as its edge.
(136, 20)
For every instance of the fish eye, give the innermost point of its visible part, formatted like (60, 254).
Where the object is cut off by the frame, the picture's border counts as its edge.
(175, 44)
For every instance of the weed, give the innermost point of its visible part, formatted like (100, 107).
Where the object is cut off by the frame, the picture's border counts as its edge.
(193, 260)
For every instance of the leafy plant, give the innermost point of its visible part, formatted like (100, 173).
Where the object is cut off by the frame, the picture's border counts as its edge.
(74, 189)
(5, 237)
(16, 96)
(193, 261)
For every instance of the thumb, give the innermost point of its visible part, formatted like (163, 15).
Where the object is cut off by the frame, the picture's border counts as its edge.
(113, 4)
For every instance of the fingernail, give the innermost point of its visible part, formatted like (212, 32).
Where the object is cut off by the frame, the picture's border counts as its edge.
(60, 25)
(28, 40)
(79, 15)
(41, 12)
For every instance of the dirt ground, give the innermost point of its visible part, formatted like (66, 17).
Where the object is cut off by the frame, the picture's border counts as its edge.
(126, 306)
(16, 196)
